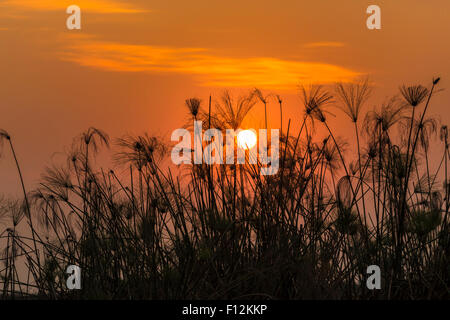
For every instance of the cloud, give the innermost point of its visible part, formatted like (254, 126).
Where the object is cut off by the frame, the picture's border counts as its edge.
(324, 44)
(98, 6)
(207, 68)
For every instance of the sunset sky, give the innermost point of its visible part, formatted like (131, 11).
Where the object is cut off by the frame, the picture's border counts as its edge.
(133, 63)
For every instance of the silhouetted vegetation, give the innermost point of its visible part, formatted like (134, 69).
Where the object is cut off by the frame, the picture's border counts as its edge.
(225, 231)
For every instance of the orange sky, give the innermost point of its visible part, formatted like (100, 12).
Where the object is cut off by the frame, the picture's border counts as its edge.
(133, 63)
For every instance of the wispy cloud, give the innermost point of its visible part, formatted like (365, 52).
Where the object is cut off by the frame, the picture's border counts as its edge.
(98, 6)
(207, 68)
(324, 44)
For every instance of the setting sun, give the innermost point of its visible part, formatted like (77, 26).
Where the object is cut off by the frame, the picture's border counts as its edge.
(246, 139)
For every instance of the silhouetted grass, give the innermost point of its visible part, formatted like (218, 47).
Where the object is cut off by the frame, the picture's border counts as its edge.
(225, 231)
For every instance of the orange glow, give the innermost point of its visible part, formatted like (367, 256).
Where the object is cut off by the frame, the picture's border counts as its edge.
(208, 69)
(99, 6)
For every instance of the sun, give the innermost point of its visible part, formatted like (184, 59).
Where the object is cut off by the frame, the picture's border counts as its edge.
(246, 139)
